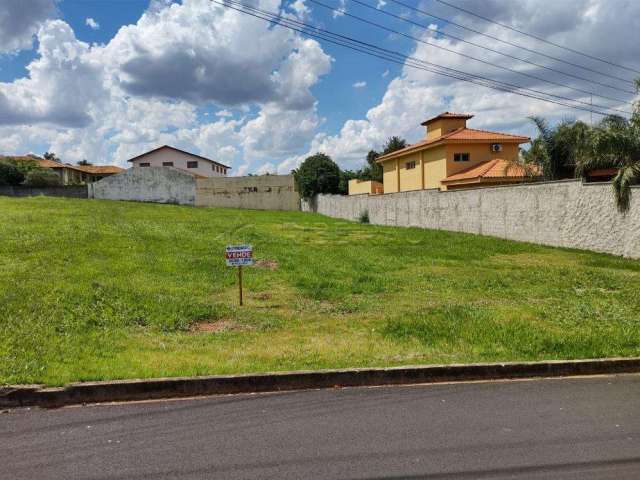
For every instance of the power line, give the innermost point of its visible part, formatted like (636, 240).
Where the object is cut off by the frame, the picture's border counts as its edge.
(388, 55)
(590, 93)
(497, 39)
(520, 59)
(541, 39)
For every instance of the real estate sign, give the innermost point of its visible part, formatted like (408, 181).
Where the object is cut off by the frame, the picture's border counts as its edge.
(239, 255)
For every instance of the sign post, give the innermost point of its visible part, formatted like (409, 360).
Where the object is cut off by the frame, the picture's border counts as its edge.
(239, 256)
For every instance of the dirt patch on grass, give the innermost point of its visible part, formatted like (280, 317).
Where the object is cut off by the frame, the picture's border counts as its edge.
(218, 326)
(268, 264)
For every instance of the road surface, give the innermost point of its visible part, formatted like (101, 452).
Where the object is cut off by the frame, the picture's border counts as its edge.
(587, 428)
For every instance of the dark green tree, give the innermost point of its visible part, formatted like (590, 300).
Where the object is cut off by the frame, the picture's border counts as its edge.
(394, 143)
(10, 174)
(84, 162)
(42, 177)
(317, 174)
(51, 156)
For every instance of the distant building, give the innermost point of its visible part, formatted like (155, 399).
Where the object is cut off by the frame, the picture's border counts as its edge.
(167, 156)
(360, 187)
(453, 156)
(71, 174)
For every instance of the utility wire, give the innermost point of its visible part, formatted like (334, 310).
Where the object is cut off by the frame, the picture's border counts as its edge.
(460, 39)
(395, 57)
(368, 22)
(497, 39)
(541, 39)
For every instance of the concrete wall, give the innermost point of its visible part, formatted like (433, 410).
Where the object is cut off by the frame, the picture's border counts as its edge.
(76, 191)
(150, 184)
(205, 167)
(264, 192)
(563, 214)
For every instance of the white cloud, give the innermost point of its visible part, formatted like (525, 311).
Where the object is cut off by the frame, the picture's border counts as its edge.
(20, 20)
(91, 101)
(340, 11)
(385, 74)
(416, 95)
(90, 22)
(361, 84)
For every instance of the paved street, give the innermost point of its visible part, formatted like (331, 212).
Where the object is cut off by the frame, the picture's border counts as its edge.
(561, 429)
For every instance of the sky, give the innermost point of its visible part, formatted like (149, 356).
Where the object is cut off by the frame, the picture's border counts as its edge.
(106, 80)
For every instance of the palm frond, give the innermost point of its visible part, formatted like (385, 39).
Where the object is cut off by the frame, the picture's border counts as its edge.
(627, 176)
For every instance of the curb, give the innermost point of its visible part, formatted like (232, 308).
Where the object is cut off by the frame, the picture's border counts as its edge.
(124, 390)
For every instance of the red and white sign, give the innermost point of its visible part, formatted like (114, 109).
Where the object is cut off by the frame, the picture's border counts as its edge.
(239, 255)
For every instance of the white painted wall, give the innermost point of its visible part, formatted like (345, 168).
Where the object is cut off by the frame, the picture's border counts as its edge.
(179, 159)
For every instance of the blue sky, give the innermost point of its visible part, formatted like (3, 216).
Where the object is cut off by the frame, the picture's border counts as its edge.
(143, 73)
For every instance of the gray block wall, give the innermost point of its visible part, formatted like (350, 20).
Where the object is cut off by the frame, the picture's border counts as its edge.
(562, 214)
(147, 184)
(72, 191)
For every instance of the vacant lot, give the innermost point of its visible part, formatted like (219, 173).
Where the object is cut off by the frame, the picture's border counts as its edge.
(100, 290)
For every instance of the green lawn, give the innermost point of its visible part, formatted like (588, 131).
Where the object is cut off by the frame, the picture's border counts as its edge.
(93, 290)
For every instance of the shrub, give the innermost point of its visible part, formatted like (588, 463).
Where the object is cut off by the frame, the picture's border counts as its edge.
(42, 177)
(317, 174)
(364, 217)
(10, 174)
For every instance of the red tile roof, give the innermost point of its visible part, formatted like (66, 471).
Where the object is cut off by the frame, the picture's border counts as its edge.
(43, 162)
(496, 168)
(98, 169)
(460, 135)
(465, 116)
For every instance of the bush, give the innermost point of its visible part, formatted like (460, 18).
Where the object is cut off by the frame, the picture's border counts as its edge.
(317, 174)
(42, 177)
(10, 174)
(364, 217)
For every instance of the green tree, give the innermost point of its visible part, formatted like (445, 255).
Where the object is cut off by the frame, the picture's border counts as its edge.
(558, 150)
(51, 156)
(42, 177)
(84, 162)
(10, 174)
(373, 170)
(393, 144)
(317, 174)
(345, 176)
(616, 144)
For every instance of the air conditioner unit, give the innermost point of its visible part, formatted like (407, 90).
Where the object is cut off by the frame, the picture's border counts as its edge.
(496, 147)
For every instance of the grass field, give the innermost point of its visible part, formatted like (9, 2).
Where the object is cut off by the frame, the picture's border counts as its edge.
(95, 290)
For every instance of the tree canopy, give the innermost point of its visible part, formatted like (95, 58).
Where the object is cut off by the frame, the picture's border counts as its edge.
(317, 174)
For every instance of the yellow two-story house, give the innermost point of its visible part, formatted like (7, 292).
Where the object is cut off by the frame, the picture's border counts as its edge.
(453, 156)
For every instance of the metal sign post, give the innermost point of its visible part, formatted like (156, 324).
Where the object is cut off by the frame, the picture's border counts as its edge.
(239, 256)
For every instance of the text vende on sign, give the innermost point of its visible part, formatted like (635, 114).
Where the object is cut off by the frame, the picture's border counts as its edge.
(239, 255)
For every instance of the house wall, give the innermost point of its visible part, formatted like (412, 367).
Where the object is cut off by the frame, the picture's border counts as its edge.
(562, 214)
(435, 166)
(264, 192)
(152, 184)
(361, 187)
(179, 159)
(445, 125)
(478, 153)
(390, 176)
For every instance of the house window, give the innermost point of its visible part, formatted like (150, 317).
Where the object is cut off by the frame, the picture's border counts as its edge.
(461, 157)
(410, 165)
(167, 164)
(145, 164)
(192, 164)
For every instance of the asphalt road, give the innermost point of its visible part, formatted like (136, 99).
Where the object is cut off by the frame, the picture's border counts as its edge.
(586, 428)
